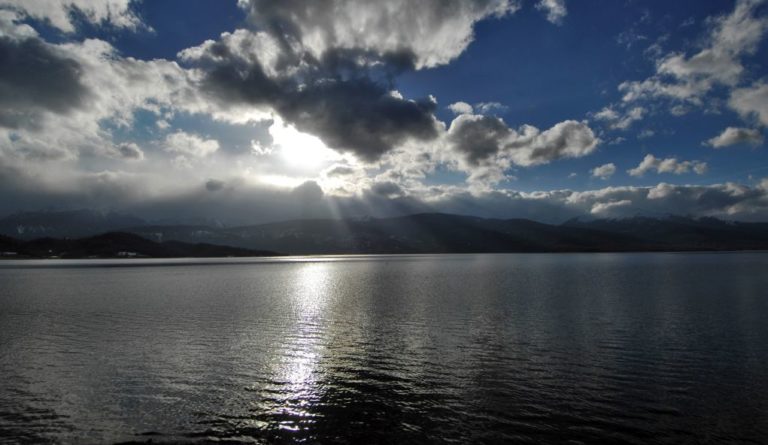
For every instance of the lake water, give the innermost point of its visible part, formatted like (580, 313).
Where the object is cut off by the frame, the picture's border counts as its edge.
(627, 348)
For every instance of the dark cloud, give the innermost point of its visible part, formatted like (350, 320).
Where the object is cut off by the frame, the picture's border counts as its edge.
(356, 114)
(359, 116)
(339, 170)
(233, 80)
(308, 191)
(34, 77)
(478, 137)
(214, 185)
(387, 189)
(130, 151)
(311, 63)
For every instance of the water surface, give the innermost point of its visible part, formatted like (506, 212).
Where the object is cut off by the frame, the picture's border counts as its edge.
(631, 348)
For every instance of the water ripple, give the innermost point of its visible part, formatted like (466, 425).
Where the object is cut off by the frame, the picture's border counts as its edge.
(435, 349)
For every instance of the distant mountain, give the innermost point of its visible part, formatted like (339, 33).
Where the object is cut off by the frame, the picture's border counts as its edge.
(435, 233)
(681, 233)
(440, 233)
(115, 245)
(64, 224)
(423, 233)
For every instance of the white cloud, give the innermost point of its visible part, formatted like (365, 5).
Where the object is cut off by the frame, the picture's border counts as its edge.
(555, 10)
(59, 13)
(11, 28)
(751, 101)
(490, 107)
(607, 114)
(733, 135)
(434, 31)
(190, 145)
(479, 108)
(567, 139)
(689, 78)
(620, 120)
(93, 88)
(260, 149)
(645, 134)
(461, 108)
(606, 207)
(604, 171)
(679, 110)
(668, 165)
(488, 141)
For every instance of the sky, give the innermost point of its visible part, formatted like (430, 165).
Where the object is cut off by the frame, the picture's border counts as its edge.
(250, 111)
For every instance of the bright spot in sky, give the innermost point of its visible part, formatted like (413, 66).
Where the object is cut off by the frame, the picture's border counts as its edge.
(282, 180)
(300, 150)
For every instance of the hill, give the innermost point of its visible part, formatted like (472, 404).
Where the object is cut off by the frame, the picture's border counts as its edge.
(116, 245)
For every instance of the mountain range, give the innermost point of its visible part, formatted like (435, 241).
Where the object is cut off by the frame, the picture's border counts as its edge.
(420, 233)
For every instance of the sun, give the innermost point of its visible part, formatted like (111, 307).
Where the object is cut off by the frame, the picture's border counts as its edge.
(300, 150)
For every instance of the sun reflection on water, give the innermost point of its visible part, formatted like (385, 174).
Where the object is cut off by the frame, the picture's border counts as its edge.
(303, 348)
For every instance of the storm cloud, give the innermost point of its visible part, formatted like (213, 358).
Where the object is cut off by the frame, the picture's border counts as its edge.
(355, 113)
(35, 78)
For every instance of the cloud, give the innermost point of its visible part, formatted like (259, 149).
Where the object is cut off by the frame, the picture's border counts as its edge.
(461, 108)
(479, 138)
(35, 78)
(479, 108)
(555, 10)
(387, 189)
(308, 66)
(488, 140)
(214, 185)
(359, 115)
(688, 78)
(567, 139)
(751, 101)
(490, 107)
(61, 13)
(620, 121)
(668, 165)
(645, 134)
(733, 135)
(327, 68)
(129, 151)
(433, 32)
(164, 195)
(609, 207)
(339, 170)
(604, 171)
(57, 101)
(190, 145)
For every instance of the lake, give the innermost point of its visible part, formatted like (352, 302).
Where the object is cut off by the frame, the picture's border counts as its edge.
(537, 348)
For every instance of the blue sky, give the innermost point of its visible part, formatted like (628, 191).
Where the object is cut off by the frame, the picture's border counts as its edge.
(232, 110)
